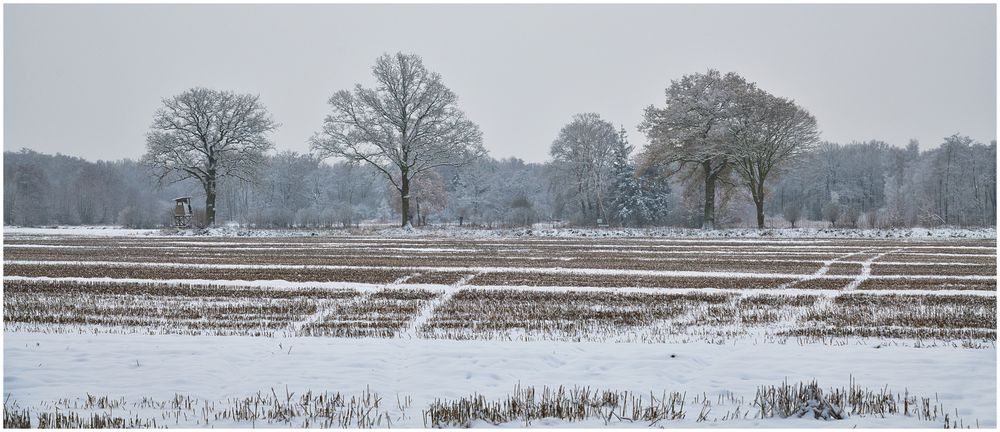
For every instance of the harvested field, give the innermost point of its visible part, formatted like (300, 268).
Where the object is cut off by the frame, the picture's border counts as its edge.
(929, 284)
(895, 316)
(608, 316)
(437, 278)
(379, 314)
(953, 269)
(304, 274)
(103, 307)
(618, 281)
(655, 289)
(827, 283)
(216, 318)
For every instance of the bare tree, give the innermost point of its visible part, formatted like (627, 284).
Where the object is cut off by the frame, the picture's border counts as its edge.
(767, 132)
(850, 216)
(691, 131)
(831, 212)
(585, 147)
(408, 124)
(792, 213)
(206, 135)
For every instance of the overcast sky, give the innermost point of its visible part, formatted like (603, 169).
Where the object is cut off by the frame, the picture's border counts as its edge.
(85, 80)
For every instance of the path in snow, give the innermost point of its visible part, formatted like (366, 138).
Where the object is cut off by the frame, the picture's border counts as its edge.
(866, 271)
(428, 310)
(323, 307)
(822, 270)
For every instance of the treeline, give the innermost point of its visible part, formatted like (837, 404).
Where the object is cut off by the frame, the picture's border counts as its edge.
(874, 184)
(868, 184)
(41, 189)
(720, 151)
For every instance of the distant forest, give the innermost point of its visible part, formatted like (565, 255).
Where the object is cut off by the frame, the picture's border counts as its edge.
(865, 184)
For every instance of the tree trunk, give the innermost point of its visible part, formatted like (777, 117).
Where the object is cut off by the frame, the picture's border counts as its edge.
(758, 201)
(210, 200)
(404, 196)
(420, 219)
(760, 212)
(708, 222)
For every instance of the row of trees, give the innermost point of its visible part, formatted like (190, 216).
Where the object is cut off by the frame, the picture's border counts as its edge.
(876, 184)
(404, 147)
(405, 127)
(43, 189)
(716, 126)
(869, 184)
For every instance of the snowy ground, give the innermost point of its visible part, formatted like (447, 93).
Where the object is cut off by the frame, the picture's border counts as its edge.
(542, 230)
(915, 233)
(48, 366)
(94, 231)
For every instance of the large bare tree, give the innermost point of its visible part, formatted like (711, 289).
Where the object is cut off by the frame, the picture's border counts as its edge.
(206, 135)
(691, 131)
(409, 123)
(767, 132)
(585, 148)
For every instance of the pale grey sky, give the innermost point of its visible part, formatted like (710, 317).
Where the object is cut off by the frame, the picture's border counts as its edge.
(85, 80)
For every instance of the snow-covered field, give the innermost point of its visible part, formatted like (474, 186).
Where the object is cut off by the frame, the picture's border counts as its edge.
(186, 330)
(47, 367)
(542, 230)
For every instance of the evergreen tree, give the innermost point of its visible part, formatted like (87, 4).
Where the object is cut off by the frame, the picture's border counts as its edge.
(638, 200)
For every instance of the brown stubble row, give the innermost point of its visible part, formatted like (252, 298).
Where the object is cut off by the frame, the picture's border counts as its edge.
(381, 314)
(786, 257)
(903, 316)
(766, 264)
(647, 317)
(500, 267)
(162, 308)
(372, 275)
(475, 313)
(540, 278)
(622, 281)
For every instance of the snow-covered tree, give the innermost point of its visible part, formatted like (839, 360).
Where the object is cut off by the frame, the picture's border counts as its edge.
(407, 125)
(692, 129)
(208, 135)
(584, 149)
(639, 198)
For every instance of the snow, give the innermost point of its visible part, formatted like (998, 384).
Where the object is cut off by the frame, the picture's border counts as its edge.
(40, 367)
(46, 367)
(910, 233)
(92, 231)
(559, 232)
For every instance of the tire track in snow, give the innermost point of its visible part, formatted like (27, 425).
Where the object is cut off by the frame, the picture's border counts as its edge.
(822, 270)
(824, 298)
(866, 270)
(324, 307)
(428, 310)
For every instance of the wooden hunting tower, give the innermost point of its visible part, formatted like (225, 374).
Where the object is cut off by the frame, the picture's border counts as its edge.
(182, 212)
